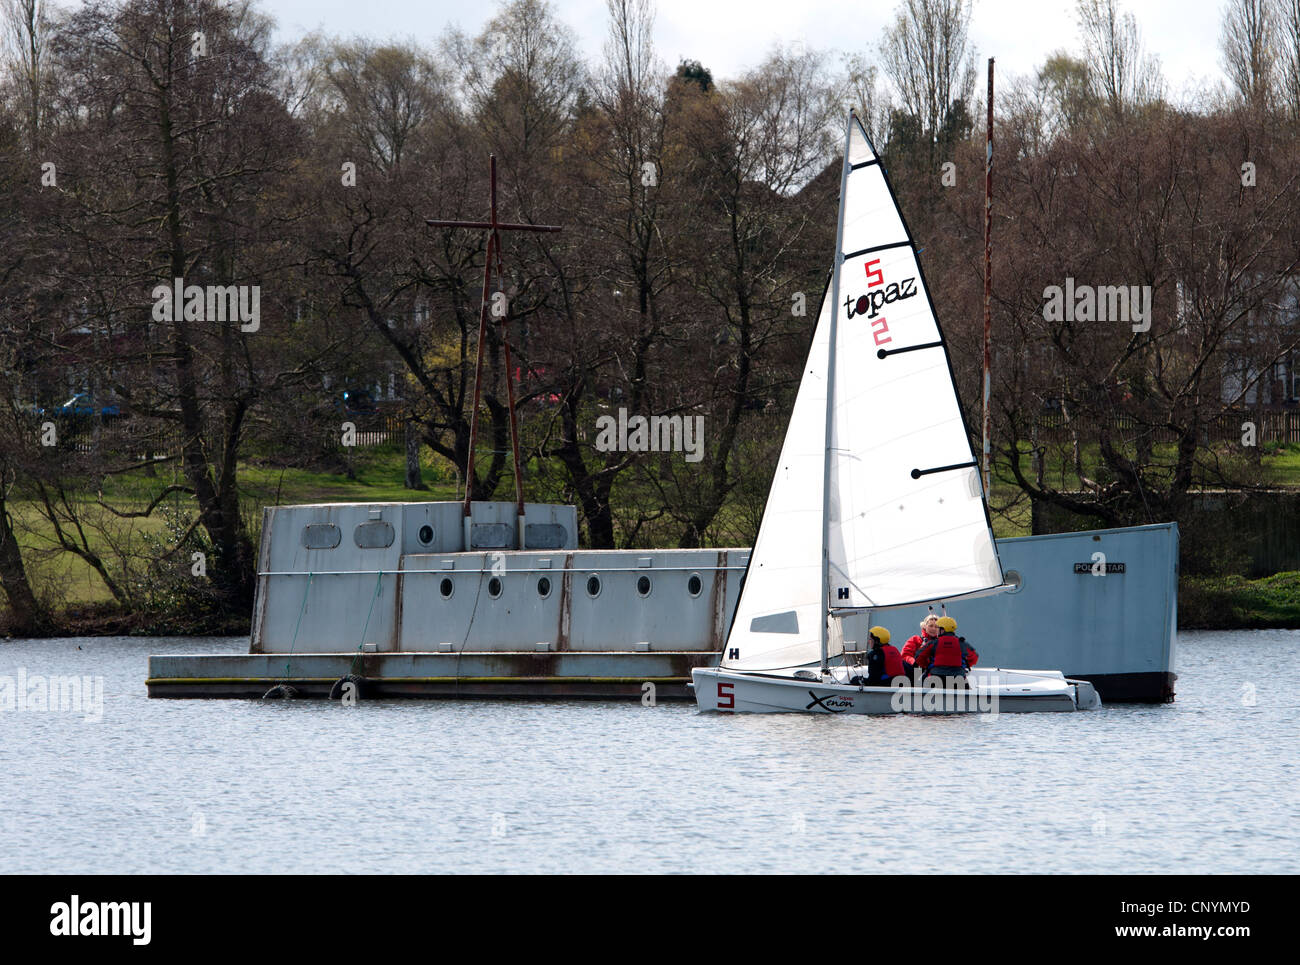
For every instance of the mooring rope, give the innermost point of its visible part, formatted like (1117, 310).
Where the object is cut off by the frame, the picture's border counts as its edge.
(298, 626)
(366, 626)
(338, 691)
(282, 687)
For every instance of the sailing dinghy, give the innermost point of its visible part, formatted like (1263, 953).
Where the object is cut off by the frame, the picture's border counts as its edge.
(877, 461)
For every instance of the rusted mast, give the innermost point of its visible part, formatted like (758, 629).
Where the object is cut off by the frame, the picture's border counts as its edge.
(510, 371)
(492, 259)
(988, 283)
(478, 372)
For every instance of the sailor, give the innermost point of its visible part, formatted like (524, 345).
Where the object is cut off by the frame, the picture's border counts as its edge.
(883, 660)
(929, 631)
(947, 655)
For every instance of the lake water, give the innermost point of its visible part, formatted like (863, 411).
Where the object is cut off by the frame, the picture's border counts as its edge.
(1210, 783)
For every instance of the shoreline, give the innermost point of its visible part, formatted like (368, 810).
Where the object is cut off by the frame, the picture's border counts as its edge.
(1227, 602)
(1209, 608)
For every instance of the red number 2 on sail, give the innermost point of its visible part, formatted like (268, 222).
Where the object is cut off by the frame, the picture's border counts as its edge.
(880, 329)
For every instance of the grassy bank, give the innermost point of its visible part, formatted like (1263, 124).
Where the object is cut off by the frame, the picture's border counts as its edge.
(1204, 603)
(1236, 603)
(78, 599)
(81, 603)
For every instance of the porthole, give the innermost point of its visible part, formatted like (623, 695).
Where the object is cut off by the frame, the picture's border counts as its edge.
(643, 586)
(694, 585)
(544, 587)
(494, 587)
(374, 535)
(321, 536)
(1013, 577)
(593, 586)
(425, 535)
(446, 587)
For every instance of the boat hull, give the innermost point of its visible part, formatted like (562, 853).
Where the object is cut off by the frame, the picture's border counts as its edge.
(993, 691)
(379, 612)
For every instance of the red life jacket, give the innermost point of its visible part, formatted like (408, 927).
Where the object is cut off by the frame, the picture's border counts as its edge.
(947, 652)
(914, 644)
(893, 660)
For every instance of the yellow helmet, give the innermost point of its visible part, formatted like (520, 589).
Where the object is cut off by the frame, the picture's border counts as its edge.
(947, 624)
(880, 633)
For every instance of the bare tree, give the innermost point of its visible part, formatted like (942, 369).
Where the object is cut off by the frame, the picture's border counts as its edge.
(760, 143)
(26, 40)
(385, 94)
(1131, 415)
(1249, 45)
(620, 322)
(20, 350)
(629, 68)
(26, 614)
(927, 55)
(522, 75)
(1063, 80)
(1122, 74)
(864, 92)
(1288, 27)
(174, 111)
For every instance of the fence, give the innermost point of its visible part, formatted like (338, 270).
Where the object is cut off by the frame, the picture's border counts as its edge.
(1221, 531)
(87, 435)
(1270, 426)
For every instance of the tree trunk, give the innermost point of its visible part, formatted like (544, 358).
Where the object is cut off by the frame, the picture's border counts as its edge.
(29, 617)
(413, 480)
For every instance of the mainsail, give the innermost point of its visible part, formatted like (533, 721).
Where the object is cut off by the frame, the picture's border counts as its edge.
(906, 520)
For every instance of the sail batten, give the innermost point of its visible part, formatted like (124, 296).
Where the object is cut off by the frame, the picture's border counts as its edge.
(973, 595)
(870, 251)
(886, 352)
(877, 433)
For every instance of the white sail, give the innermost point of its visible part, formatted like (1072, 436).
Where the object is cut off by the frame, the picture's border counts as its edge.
(777, 619)
(908, 521)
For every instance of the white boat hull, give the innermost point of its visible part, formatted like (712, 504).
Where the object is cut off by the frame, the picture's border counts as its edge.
(989, 691)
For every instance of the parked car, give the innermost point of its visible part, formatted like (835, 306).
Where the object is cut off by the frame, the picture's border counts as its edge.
(80, 406)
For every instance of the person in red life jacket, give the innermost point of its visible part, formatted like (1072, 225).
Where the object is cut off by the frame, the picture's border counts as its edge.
(929, 631)
(884, 662)
(947, 655)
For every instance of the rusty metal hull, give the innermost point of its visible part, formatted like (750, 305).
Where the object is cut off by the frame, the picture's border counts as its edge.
(364, 587)
(610, 675)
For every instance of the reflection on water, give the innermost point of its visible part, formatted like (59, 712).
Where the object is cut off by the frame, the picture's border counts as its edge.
(1208, 784)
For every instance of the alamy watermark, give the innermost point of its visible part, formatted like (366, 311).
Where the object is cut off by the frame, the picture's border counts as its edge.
(1098, 303)
(130, 919)
(659, 433)
(214, 303)
(942, 695)
(52, 693)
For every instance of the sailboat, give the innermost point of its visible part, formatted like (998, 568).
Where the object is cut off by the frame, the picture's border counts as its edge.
(877, 462)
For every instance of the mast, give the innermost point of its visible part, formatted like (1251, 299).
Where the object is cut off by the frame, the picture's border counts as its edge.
(824, 609)
(492, 259)
(988, 281)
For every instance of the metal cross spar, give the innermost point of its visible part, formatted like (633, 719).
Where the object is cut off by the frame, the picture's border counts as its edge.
(493, 255)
